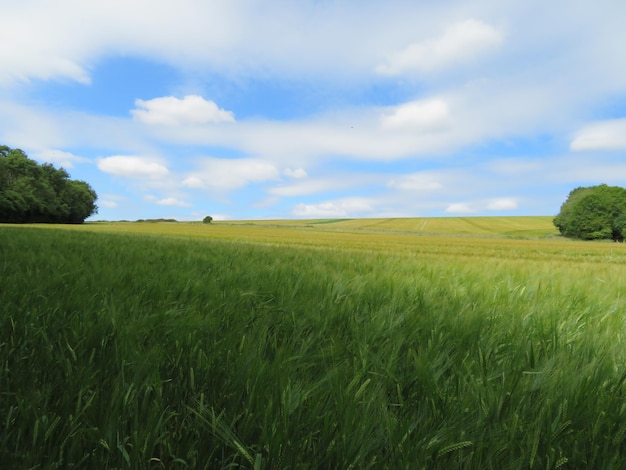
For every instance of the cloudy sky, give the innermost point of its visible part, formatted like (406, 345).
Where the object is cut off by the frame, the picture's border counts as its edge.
(247, 109)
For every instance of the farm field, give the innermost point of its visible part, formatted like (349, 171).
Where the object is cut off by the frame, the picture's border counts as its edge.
(395, 343)
(508, 226)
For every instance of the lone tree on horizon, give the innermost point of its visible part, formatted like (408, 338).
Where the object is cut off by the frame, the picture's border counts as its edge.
(30, 192)
(594, 213)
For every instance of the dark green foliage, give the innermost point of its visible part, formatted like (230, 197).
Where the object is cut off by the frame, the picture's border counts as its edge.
(30, 192)
(207, 220)
(155, 221)
(594, 213)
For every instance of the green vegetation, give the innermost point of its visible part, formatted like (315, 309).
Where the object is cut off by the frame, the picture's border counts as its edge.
(313, 349)
(156, 221)
(593, 213)
(30, 192)
(207, 220)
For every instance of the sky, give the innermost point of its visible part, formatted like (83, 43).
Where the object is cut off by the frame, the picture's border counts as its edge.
(280, 109)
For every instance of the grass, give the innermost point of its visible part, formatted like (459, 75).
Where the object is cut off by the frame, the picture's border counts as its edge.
(268, 347)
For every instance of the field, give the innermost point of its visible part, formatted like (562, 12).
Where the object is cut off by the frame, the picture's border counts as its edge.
(397, 343)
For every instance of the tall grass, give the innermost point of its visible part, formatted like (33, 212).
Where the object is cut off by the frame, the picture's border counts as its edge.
(134, 351)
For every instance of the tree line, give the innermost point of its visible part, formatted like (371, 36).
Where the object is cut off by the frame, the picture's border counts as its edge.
(32, 192)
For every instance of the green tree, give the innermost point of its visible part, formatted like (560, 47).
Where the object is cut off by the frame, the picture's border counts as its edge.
(594, 213)
(207, 220)
(30, 192)
(80, 198)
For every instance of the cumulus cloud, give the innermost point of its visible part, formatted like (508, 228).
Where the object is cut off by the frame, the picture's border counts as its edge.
(338, 208)
(503, 204)
(218, 173)
(454, 111)
(422, 115)
(62, 38)
(416, 182)
(133, 167)
(171, 111)
(605, 135)
(460, 43)
(460, 208)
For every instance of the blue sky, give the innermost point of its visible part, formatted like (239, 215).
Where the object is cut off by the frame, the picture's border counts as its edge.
(251, 109)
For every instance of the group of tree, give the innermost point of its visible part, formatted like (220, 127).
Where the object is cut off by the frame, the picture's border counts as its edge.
(32, 192)
(594, 213)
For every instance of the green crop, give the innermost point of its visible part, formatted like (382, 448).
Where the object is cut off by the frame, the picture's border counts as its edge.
(194, 346)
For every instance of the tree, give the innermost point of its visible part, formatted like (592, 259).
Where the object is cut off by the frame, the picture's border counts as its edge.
(80, 198)
(207, 220)
(30, 192)
(594, 213)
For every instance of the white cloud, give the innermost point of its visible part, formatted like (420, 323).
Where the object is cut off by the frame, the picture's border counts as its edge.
(515, 166)
(412, 130)
(423, 181)
(168, 201)
(445, 107)
(503, 204)
(497, 204)
(217, 173)
(133, 167)
(111, 201)
(172, 201)
(58, 157)
(298, 173)
(62, 38)
(422, 115)
(352, 207)
(460, 208)
(107, 203)
(194, 182)
(606, 135)
(581, 169)
(316, 185)
(460, 43)
(171, 111)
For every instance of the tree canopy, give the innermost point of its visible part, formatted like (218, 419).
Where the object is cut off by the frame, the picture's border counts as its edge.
(30, 192)
(593, 213)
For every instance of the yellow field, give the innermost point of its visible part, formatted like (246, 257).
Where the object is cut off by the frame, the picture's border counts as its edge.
(478, 238)
(526, 226)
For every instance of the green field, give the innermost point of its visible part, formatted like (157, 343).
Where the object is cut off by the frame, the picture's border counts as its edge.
(374, 343)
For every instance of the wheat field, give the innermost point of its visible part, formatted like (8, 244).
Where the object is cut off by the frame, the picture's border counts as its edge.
(317, 344)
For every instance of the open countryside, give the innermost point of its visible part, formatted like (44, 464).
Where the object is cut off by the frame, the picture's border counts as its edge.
(362, 343)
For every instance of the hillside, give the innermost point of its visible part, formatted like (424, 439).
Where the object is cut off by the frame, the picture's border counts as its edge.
(520, 226)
